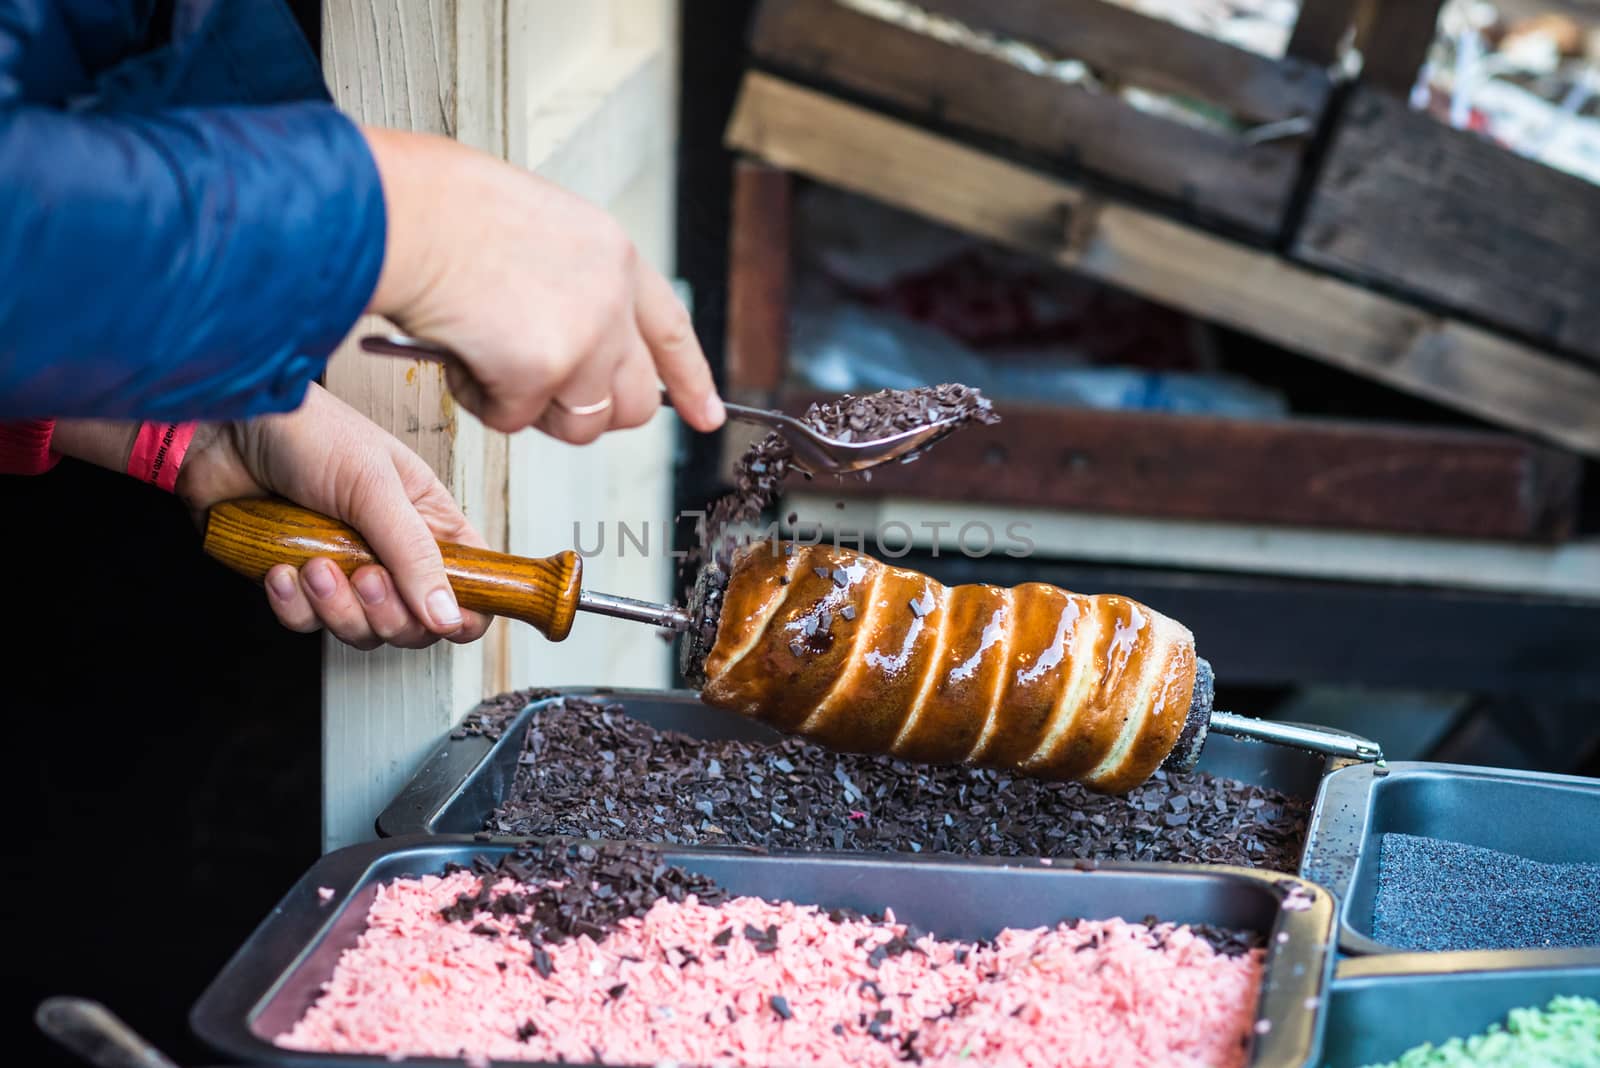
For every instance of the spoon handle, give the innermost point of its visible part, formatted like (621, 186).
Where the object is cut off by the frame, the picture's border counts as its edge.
(94, 1033)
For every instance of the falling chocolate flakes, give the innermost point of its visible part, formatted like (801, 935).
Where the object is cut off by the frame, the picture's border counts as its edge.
(763, 467)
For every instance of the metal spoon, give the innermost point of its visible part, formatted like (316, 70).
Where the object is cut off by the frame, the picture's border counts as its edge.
(814, 453)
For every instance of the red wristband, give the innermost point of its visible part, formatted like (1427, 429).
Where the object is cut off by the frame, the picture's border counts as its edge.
(158, 453)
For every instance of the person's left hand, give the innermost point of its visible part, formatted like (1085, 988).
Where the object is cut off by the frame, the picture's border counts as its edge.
(328, 457)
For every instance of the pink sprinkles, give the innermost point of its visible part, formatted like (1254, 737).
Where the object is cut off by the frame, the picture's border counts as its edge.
(688, 984)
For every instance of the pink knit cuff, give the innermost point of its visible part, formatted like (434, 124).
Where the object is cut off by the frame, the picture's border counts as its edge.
(25, 447)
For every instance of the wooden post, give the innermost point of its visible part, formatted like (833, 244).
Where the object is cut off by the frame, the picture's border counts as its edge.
(1393, 37)
(584, 94)
(758, 282)
(1320, 29)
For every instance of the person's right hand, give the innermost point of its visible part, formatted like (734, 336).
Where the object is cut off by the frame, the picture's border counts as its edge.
(541, 295)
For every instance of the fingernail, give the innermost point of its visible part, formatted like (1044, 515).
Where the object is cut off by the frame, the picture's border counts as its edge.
(371, 588)
(281, 582)
(319, 576)
(715, 412)
(442, 607)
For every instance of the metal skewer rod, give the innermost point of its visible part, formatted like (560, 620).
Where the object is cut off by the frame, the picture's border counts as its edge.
(660, 615)
(1318, 741)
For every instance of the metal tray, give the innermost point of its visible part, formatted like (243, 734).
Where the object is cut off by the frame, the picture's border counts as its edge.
(1382, 1006)
(1547, 818)
(466, 779)
(277, 974)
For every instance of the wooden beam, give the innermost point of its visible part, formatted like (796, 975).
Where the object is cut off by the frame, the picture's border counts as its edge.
(1570, 571)
(1444, 360)
(1394, 40)
(758, 282)
(1130, 49)
(1213, 174)
(1291, 472)
(1320, 29)
(1408, 203)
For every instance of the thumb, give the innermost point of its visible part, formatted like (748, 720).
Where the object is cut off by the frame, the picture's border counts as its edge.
(384, 514)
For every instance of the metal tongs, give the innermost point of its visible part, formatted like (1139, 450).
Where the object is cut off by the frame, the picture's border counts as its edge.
(813, 452)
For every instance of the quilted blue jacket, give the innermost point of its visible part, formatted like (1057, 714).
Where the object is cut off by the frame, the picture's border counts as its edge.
(187, 225)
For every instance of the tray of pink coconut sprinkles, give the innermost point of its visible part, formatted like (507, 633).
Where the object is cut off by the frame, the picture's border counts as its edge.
(476, 949)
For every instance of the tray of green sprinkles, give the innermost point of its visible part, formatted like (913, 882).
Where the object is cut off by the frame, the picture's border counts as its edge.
(1491, 1009)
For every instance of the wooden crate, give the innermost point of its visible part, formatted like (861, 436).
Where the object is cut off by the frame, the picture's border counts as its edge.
(1444, 217)
(1229, 177)
(1349, 325)
(1293, 472)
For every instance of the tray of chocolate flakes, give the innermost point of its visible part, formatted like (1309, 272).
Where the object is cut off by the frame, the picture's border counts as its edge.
(449, 948)
(660, 766)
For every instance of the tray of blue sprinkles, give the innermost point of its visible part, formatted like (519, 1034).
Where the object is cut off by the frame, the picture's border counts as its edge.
(1442, 858)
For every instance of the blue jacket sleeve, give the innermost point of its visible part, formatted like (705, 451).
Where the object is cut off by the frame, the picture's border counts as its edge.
(180, 264)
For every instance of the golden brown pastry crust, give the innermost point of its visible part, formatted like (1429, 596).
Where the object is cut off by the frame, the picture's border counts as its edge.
(860, 656)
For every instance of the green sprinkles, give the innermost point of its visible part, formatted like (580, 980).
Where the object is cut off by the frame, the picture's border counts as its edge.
(1563, 1034)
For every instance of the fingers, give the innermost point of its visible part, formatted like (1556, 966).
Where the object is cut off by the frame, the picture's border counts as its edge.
(386, 612)
(364, 611)
(382, 510)
(635, 388)
(325, 599)
(289, 601)
(588, 387)
(668, 331)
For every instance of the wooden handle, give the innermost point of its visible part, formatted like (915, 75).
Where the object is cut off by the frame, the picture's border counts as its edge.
(254, 535)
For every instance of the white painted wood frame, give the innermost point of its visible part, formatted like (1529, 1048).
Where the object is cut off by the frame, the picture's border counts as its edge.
(586, 95)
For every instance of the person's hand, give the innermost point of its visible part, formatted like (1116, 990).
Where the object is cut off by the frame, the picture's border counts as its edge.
(541, 294)
(328, 457)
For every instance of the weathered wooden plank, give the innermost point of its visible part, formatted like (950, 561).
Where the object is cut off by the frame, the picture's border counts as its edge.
(394, 65)
(1408, 203)
(1216, 175)
(758, 281)
(581, 94)
(1570, 570)
(1130, 49)
(1393, 39)
(1294, 472)
(1349, 326)
(1320, 29)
